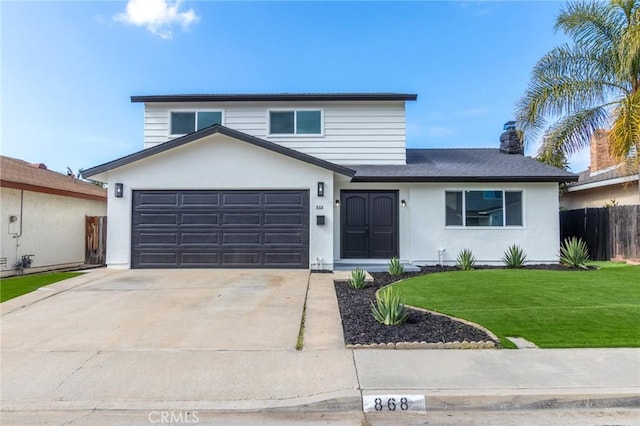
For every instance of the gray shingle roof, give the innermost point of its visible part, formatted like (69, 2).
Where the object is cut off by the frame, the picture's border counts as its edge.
(585, 176)
(463, 165)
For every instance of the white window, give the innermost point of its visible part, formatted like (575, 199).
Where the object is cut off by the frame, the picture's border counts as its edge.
(184, 122)
(483, 208)
(295, 122)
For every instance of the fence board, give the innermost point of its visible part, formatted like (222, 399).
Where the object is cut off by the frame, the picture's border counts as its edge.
(608, 232)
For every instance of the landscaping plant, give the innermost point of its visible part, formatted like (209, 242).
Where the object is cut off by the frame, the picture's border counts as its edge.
(465, 260)
(395, 267)
(574, 253)
(388, 309)
(358, 277)
(514, 257)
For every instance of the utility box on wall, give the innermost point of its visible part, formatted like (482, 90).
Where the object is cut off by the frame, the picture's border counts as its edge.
(320, 220)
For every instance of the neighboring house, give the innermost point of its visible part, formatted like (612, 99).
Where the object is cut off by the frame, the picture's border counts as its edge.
(605, 182)
(43, 214)
(315, 181)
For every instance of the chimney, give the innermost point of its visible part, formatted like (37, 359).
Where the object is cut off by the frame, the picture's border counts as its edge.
(599, 149)
(510, 141)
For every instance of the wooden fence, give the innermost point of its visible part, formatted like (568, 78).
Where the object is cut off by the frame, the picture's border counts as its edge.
(96, 238)
(608, 231)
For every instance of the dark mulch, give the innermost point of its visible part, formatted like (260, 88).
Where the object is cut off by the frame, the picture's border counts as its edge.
(360, 327)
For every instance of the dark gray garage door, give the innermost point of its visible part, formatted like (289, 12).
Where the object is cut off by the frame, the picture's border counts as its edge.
(220, 229)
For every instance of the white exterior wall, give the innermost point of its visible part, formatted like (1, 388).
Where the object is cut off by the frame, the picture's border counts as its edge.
(355, 132)
(422, 229)
(218, 162)
(53, 229)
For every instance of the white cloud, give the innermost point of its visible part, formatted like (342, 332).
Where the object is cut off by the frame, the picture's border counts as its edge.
(158, 16)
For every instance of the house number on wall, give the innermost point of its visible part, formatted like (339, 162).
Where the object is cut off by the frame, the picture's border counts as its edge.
(319, 207)
(393, 403)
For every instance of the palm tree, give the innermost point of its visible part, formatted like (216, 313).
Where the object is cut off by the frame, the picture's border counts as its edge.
(589, 84)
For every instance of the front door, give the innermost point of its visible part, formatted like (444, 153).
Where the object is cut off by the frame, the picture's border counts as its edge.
(369, 223)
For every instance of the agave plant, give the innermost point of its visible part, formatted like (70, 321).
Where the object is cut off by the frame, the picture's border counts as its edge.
(466, 260)
(574, 253)
(395, 267)
(514, 257)
(358, 278)
(388, 309)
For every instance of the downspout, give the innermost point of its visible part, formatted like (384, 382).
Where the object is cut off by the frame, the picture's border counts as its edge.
(17, 237)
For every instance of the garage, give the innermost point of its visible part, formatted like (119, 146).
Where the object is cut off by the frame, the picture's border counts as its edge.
(220, 229)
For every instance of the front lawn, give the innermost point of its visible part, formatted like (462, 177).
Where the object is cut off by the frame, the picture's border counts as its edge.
(17, 286)
(553, 309)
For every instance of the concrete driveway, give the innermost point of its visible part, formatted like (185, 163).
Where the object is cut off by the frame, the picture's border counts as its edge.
(164, 309)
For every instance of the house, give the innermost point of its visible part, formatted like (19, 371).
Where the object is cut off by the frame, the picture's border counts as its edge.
(605, 182)
(43, 216)
(315, 181)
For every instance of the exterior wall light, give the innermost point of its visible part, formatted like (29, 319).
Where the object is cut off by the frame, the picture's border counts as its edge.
(320, 189)
(403, 203)
(119, 191)
(337, 203)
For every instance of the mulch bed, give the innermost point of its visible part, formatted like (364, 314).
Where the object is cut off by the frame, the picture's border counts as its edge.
(361, 328)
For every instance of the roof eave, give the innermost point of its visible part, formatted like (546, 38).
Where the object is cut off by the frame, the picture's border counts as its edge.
(518, 179)
(277, 97)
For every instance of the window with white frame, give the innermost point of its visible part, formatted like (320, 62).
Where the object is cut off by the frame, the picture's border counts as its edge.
(295, 122)
(483, 208)
(184, 122)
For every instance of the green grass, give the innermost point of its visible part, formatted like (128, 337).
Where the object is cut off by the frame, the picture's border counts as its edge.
(17, 286)
(553, 309)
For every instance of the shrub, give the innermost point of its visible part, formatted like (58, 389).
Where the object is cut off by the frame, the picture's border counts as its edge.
(465, 260)
(395, 267)
(574, 253)
(514, 257)
(388, 309)
(358, 278)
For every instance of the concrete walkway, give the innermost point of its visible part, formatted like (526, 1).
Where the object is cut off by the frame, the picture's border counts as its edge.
(40, 375)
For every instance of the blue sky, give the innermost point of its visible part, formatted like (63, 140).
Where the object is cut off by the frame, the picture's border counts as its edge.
(69, 68)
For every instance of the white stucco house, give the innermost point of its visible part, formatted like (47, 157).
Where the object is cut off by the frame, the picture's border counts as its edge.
(43, 216)
(315, 181)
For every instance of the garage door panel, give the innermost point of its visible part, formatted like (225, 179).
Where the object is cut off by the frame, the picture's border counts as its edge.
(241, 219)
(228, 229)
(200, 219)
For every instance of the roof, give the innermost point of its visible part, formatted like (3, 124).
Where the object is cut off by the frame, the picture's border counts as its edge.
(256, 97)
(463, 165)
(612, 176)
(19, 174)
(215, 129)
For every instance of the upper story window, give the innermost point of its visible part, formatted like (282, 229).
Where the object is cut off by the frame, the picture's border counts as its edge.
(184, 122)
(483, 208)
(297, 122)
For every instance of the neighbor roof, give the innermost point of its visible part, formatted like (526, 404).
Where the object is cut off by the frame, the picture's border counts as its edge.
(463, 165)
(255, 97)
(585, 176)
(217, 128)
(19, 174)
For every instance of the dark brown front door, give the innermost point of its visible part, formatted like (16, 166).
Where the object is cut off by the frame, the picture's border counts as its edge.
(369, 223)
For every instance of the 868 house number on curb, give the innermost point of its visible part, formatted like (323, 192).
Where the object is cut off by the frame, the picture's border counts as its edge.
(393, 403)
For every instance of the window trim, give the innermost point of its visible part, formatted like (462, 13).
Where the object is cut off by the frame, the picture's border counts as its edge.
(504, 209)
(195, 111)
(295, 122)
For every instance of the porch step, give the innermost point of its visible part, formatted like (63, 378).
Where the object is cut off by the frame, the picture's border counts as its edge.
(371, 267)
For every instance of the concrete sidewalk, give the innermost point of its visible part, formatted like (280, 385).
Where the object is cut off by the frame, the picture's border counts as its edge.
(323, 377)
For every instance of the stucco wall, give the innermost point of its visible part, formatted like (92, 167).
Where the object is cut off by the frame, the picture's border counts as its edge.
(53, 228)
(623, 194)
(218, 162)
(423, 231)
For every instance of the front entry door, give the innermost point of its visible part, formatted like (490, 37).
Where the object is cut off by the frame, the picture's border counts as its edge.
(369, 223)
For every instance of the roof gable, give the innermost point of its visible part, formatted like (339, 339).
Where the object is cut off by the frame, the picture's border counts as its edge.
(19, 174)
(217, 129)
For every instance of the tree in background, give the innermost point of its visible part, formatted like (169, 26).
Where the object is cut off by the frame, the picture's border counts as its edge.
(592, 83)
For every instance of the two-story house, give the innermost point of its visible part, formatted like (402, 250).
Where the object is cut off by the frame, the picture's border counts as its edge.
(315, 181)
